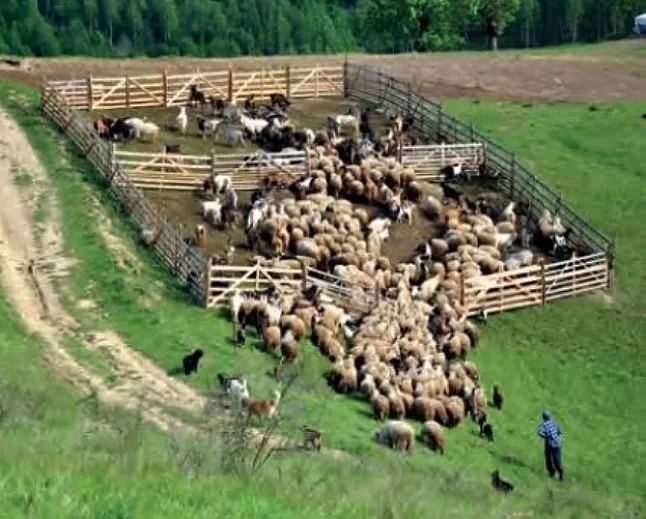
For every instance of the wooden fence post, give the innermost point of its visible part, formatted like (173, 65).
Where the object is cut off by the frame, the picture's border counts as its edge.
(543, 282)
(230, 85)
(304, 274)
(557, 205)
(165, 86)
(438, 136)
(112, 167)
(512, 189)
(288, 81)
(346, 87)
(206, 282)
(472, 136)
(213, 161)
(462, 291)
(90, 95)
(609, 261)
(316, 81)
(127, 92)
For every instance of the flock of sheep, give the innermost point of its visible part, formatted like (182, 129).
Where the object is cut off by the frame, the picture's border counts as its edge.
(406, 356)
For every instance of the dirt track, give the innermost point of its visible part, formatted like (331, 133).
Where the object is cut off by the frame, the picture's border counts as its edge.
(597, 75)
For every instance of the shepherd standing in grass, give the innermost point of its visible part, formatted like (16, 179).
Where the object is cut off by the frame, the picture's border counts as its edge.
(551, 434)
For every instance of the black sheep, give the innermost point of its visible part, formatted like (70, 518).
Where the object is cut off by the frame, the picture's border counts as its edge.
(497, 397)
(499, 483)
(191, 361)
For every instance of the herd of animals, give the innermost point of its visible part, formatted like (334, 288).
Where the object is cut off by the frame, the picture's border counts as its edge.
(406, 355)
(266, 125)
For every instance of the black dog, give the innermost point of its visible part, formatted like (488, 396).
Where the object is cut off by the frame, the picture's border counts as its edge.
(486, 429)
(497, 397)
(241, 336)
(499, 483)
(191, 361)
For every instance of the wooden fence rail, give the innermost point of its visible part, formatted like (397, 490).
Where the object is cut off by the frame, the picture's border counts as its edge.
(164, 90)
(187, 172)
(524, 287)
(183, 260)
(223, 281)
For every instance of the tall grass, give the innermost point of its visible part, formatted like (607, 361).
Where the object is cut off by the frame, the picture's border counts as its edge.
(579, 358)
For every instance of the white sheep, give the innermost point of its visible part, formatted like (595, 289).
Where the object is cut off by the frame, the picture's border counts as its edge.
(397, 434)
(235, 303)
(221, 183)
(148, 132)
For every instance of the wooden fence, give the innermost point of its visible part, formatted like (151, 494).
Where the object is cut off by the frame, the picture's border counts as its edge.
(164, 90)
(222, 281)
(184, 261)
(187, 172)
(590, 271)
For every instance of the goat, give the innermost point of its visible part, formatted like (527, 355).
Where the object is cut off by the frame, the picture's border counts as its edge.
(253, 126)
(233, 136)
(278, 99)
(312, 438)
(173, 149)
(191, 361)
(200, 236)
(196, 96)
(239, 391)
(102, 126)
(208, 126)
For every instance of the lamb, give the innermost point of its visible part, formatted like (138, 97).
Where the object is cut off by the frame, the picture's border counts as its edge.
(200, 236)
(397, 435)
(289, 347)
(266, 408)
(433, 435)
(190, 362)
(233, 137)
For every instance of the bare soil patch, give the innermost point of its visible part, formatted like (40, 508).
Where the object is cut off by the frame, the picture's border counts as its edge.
(606, 73)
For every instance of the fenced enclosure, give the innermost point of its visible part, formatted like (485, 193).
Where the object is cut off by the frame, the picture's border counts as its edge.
(530, 286)
(164, 90)
(175, 172)
(184, 261)
(209, 282)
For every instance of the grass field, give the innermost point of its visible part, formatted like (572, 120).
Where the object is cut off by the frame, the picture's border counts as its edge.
(580, 358)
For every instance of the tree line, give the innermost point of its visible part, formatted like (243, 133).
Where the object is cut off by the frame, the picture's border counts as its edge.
(270, 27)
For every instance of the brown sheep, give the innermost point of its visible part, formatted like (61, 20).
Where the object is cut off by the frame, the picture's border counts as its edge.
(455, 410)
(380, 405)
(397, 407)
(271, 338)
(294, 324)
(289, 347)
(433, 436)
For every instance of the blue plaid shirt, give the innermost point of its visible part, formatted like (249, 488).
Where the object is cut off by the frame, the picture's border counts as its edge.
(550, 431)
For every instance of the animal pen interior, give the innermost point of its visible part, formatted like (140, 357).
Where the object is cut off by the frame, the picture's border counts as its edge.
(173, 181)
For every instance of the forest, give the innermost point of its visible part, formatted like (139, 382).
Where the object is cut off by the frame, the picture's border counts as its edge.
(221, 28)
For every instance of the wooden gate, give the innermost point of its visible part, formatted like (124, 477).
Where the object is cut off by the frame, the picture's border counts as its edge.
(222, 281)
(429, 160)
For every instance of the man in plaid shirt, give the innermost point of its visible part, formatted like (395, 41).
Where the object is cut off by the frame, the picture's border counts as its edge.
(550, 431)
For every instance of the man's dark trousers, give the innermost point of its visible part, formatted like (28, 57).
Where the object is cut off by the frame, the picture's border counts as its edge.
(553, 460)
